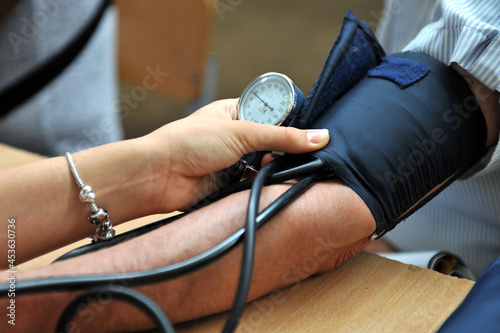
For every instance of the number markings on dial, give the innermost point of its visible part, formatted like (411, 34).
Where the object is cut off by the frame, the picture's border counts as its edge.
(267, 102)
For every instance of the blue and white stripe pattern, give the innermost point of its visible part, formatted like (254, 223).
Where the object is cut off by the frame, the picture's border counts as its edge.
(464, 218)
(462, 31)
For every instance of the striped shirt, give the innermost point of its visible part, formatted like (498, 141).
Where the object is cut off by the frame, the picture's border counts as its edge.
(464, 218)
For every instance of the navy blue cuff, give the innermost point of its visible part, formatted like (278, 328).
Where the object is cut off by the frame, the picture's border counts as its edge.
(397, 144)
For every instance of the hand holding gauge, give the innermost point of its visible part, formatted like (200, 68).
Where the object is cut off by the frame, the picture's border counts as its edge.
(270, 99)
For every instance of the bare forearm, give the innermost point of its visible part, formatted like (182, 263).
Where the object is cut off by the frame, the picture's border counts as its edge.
(306, 238)
(43, 198)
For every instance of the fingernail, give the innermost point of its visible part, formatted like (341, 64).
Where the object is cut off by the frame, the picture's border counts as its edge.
(317, 136)
(277, 154)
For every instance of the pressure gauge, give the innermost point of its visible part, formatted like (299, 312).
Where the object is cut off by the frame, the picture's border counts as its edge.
(271, 99)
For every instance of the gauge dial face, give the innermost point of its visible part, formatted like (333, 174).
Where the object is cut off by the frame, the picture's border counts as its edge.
(268, 99)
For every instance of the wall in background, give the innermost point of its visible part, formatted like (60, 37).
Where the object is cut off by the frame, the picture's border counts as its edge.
(252, 37)
(289, 36)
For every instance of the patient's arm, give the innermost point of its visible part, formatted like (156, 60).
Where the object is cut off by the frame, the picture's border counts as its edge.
(308, 237)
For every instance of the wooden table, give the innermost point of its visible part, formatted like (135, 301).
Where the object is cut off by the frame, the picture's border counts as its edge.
(367, 293)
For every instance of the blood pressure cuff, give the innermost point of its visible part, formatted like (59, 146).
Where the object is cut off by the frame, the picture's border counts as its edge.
(401, 134)
(355, 51)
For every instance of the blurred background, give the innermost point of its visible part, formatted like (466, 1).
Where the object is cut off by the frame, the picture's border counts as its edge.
(203, 50)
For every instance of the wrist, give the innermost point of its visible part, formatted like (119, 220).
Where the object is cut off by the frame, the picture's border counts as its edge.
(167, 160)
(166, 185)
(120, 177)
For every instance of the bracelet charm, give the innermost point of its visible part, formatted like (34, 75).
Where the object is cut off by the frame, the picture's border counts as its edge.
(98, 216)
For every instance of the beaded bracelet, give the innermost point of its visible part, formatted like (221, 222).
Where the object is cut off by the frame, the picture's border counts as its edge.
(98, 216)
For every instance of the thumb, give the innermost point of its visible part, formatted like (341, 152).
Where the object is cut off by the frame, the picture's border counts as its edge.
(286, 139)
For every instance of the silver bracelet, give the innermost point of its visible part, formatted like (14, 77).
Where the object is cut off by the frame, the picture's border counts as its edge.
(98, 216)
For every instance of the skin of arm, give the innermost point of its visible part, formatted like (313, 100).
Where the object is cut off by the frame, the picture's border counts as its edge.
(304, 239)
(164, 171)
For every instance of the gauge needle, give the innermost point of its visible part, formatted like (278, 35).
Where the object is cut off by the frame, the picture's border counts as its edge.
(265, 104)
